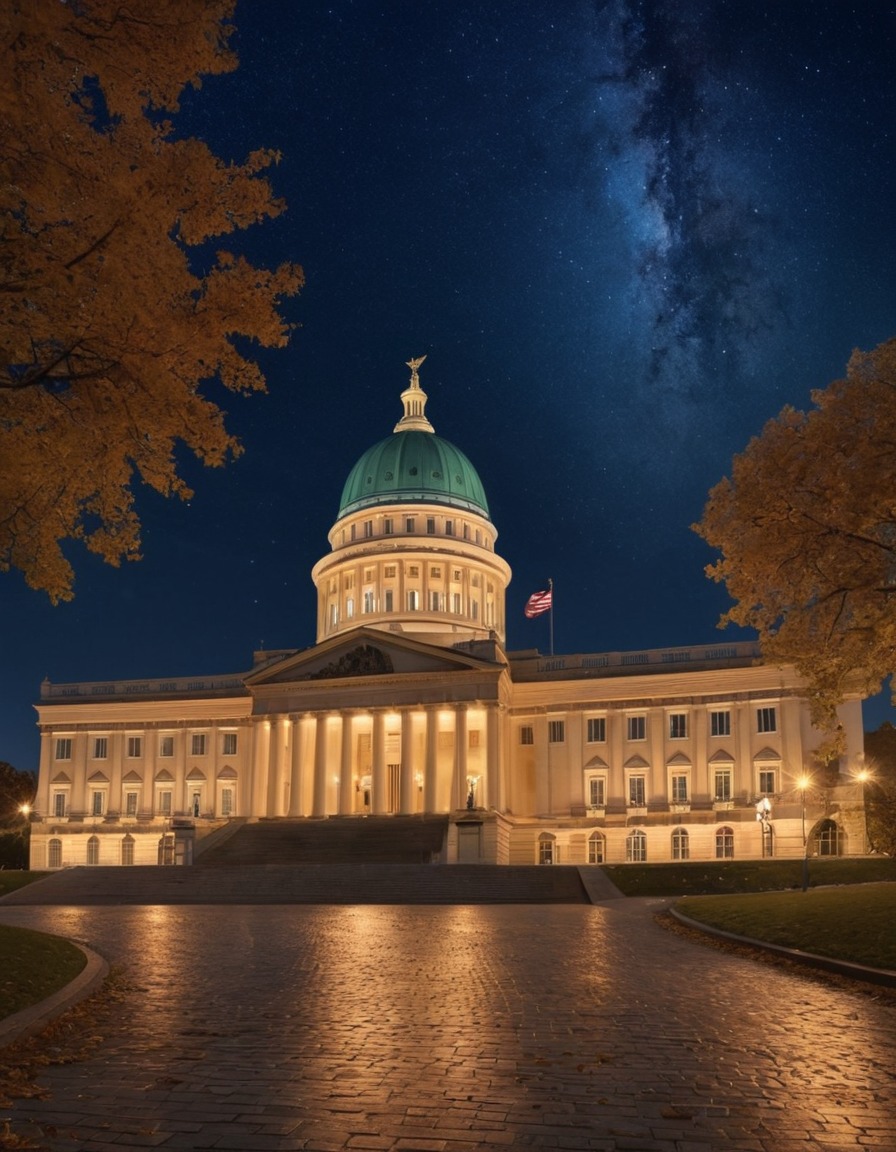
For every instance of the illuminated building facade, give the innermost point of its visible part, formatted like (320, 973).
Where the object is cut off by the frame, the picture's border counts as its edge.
(409, 704)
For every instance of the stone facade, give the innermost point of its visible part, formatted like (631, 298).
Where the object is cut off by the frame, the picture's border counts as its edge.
(409, 704)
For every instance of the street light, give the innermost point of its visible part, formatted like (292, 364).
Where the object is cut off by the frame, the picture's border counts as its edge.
(803, 783)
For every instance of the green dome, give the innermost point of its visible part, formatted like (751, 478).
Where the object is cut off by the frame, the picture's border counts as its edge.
(413, 467)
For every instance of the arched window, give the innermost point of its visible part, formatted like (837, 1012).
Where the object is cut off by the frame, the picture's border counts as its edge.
(93, 850)
(636, 847)
(546, 848)
(596, 848)
(829, 839)
(127, 849)
(681, 848)
(54, 854)
(725, 843)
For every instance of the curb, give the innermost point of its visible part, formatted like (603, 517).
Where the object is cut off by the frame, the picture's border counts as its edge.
(33, 1018)
(883, 976)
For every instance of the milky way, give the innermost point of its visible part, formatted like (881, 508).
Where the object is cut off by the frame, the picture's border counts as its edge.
(624, 234)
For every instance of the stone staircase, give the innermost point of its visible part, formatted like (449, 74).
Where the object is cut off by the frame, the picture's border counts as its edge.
(340, 840)
(310, 883)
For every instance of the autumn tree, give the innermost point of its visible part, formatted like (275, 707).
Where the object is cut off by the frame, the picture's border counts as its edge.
(16, 790)
(115, 307)
(806, 525)
(880, 790)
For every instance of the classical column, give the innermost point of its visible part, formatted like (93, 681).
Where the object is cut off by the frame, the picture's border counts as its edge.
(319, 803)
(542, 765)
(275, 767)
(346, 766)
(295, 768)
(431, 769)
(378, 797)
(408, 787)
(260, 749)
(460, 788)
(494, 798)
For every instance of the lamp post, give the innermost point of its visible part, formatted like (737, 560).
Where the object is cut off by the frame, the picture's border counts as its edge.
(764, 816)
(803, 783)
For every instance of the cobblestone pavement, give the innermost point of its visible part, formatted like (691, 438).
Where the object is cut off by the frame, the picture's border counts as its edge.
(458, 1028)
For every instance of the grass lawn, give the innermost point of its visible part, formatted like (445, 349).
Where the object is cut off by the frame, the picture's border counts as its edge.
(10, 880)
(707, 876)
(33, 966)
(857, 924)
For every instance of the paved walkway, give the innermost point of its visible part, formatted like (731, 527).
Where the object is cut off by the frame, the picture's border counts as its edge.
(453, 1029)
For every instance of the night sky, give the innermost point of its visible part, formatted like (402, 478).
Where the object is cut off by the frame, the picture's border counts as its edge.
(624, 235)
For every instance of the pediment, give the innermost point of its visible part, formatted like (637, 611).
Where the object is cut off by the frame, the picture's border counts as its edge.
(98, 778)
(164, 777)
(767, 754)
(679, 760)
(636, 762)
(596, 762)
(227, 773)
(365, 652)
(195, 774)
(132, 778)
(62, 778)
(721, 757)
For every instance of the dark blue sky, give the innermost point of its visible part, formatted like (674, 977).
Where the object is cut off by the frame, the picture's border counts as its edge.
(624, 234)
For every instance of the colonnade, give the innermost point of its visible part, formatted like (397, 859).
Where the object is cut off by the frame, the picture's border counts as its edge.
(382, 760)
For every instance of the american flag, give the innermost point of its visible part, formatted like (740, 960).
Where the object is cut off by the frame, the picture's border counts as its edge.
(539, 602)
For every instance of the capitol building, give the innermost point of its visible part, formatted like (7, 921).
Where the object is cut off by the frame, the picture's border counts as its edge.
(410, 706)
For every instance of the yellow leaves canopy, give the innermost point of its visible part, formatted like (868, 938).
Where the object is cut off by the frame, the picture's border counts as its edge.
(806, 525)
(106, 330)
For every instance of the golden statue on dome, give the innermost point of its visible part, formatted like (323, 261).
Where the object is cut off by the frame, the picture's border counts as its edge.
(414, 364)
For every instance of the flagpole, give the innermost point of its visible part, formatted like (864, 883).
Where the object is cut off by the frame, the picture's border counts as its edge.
(551, 590)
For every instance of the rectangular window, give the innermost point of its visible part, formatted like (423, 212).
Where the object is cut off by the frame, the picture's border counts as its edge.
(768, 781)
(63, 748)
(679, 789)
(226, 801)
(556, 731)
(637, 727)
(130, 804)
(197, 744)
(165, 803)
(229, 748)
(466, 531)
(369, 603)
(135, 747)
(97, 803)
(368, 528)
(59, 804)
(430, 525)
(720, 723)
(637, 791)
(166, 746)
(722, 793)
(527, 734)
(474, 738)
(387, 526)
(414, 570)
(409, 524)
(334, 615)
(678, 725)
(350, 608)
(456, 575)
(351, 534)
(389, 572)
(100, 748)
(597, 792)
(437, 572)
(388, 597)
(474, 610)
(597, 730)
(449, 527)
(766, 720)
(456, 603)
(413, 599)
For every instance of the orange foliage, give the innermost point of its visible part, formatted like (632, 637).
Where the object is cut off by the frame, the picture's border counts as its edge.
(807, 530)
(106, 331)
